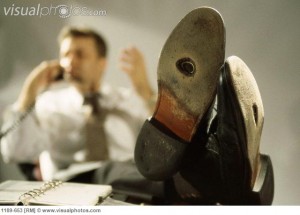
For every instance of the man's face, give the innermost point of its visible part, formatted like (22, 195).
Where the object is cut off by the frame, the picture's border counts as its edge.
(83, 66)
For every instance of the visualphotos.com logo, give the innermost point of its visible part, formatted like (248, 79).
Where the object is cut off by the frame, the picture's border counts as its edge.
(63, 11)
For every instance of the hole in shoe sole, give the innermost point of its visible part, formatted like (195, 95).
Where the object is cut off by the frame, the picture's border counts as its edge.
(255, 113)
(186, 66)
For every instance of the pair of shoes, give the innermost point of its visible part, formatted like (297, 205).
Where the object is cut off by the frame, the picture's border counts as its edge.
(218, 155)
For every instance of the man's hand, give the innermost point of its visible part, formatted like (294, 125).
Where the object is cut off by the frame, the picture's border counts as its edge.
(131, 61)
(39, 79)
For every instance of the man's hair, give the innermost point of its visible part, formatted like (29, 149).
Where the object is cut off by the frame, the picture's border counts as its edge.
(84, 32)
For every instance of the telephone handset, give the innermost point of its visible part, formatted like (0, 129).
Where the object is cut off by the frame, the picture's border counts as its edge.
(60, 75)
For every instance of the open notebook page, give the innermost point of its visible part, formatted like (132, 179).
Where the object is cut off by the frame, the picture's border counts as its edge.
(64, 194)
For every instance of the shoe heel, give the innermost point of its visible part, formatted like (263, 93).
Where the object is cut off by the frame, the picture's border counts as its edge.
(157, 154)
(263, 189)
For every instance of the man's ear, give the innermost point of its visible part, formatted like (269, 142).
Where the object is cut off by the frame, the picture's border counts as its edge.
(102, 63)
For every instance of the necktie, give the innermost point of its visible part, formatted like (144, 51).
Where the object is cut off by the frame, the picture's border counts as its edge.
(96, 141)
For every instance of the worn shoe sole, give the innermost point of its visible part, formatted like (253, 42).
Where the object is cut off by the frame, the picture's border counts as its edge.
(249, 111)
(188, 72)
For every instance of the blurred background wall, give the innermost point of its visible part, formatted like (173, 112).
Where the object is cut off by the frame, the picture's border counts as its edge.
(264, 33)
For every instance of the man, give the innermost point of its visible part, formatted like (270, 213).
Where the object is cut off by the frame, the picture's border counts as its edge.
(54, 135)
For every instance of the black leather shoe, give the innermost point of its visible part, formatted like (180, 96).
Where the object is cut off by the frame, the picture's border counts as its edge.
(188, 73)
(231, 170)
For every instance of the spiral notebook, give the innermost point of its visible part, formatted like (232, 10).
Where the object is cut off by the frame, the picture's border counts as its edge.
(52, 193)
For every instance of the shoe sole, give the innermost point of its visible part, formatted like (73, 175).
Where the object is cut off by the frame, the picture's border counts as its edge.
(261, 180)
(187, 79)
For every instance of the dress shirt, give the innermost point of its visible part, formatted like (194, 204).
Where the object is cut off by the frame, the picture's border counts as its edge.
(57, 121)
